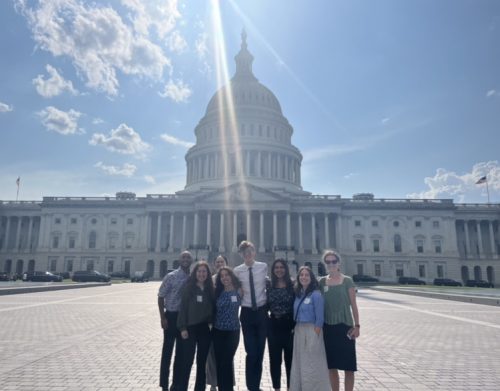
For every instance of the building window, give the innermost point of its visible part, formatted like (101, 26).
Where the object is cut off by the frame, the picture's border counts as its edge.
(418, 224)
(73, 220)
(359, 267)
(395, 224)
(92, 239)
(114, 220)
(53, 265)
(110, 266)
(420, 246)
(437, 246)
(93, 221)
(374, 223)
(57, 220)
(435, 224)
(129, 240)
(440, 271)
(112, 242)
(378, 270)
(69, 265)
(130, 221)
(397, 244)
(376, 245)
(421, 271)
(399, 272)
(55, 242)
(359, 245)
(71, 242)
(357, 223)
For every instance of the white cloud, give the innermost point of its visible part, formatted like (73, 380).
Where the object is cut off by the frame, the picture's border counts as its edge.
(491, 93)
(150, 179)
(176, 141)
(54, 85)
(160, 15)
(449, 184)
(123, 139)
(127, 170)
(385, 120)
(177, 91)
(63, 122)
(176, 42)
(97, 121)
(201, 45)
(97, 40)
(4, 107)
(351, 175)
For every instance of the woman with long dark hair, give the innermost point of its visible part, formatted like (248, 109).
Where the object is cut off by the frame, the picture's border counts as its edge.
(226, 331)
(195, 314)
(309, 370)
(280, 298)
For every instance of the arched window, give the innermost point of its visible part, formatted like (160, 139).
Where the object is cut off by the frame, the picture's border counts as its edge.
(397, 243)
(477, 273)
(465, 273)
(92, 239)
(490, 274)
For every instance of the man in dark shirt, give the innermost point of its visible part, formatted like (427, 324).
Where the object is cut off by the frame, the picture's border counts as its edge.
(169, 300)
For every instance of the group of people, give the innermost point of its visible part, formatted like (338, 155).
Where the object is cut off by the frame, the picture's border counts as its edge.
(310, 323)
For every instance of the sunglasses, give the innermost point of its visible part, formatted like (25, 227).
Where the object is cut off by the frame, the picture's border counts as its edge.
(331, 262)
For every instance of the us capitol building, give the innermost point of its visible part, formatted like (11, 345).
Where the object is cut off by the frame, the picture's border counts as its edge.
(244, 182)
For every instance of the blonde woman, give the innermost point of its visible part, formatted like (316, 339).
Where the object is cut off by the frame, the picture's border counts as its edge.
(341, 326)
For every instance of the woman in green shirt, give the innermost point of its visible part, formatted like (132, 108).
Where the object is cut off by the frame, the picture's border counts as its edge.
(195, 315)
(341, 326)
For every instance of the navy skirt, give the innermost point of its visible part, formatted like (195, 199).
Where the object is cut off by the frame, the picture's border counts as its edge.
(340, 350)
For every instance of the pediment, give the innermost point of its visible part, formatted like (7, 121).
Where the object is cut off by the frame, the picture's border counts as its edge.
(241, 193)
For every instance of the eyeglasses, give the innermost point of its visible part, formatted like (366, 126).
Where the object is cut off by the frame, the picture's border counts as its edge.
(331, 262)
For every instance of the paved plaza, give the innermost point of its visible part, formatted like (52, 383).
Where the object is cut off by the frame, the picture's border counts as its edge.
(109, 338)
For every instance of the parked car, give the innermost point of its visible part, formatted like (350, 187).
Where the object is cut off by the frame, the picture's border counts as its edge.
(38, 276)
(4, 276)
(90, 276)
(64, 275)
(479, 284)
(446, 282)
(410, 281)
(119, 275)
(140, 277)
(363, 278)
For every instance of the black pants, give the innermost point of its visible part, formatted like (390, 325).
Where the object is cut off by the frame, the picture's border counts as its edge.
(225, 346)
(170, 336)
(254, 326)
(199, 340)
(280, 342)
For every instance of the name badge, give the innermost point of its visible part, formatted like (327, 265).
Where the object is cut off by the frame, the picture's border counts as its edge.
(199, 299)
(234, 299)
(325, 288)
(307, 301)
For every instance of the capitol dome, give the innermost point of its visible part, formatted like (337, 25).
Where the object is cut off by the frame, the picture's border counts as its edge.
(244, 137)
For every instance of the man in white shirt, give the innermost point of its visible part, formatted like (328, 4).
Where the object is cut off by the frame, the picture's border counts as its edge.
(253, 316)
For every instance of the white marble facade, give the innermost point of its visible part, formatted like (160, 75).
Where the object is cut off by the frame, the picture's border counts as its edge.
(243, 181)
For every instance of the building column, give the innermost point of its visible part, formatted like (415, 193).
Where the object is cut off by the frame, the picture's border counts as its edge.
(261, 232)
(480, 239)
(7, 234)
(288, 230)
(171, 238)
(287, 176)
(216, 165)
(184, 226)
(467, 241)
(301, 237)
(221, 238)
(327, 232)
(158, 234)
(209, 227)
(313, 234)
(149, 235)
(492, 240)
(338, 232)
(278, 166)
(235, 231)
(247, 163)
(18, 233)
(249, 226)
(195, 233)
(269, 165)
(30, 232)
(275, 230)
(259, 164)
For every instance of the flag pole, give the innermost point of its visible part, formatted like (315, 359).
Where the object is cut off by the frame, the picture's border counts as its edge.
(487, 190)
(18, 182)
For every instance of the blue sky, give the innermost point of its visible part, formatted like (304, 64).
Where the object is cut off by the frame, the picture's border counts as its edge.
(397, 98)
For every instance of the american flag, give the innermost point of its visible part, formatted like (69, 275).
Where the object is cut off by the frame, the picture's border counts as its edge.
(481, 180)
(18, 181)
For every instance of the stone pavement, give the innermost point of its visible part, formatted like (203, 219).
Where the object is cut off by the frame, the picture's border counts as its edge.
(109, 338)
